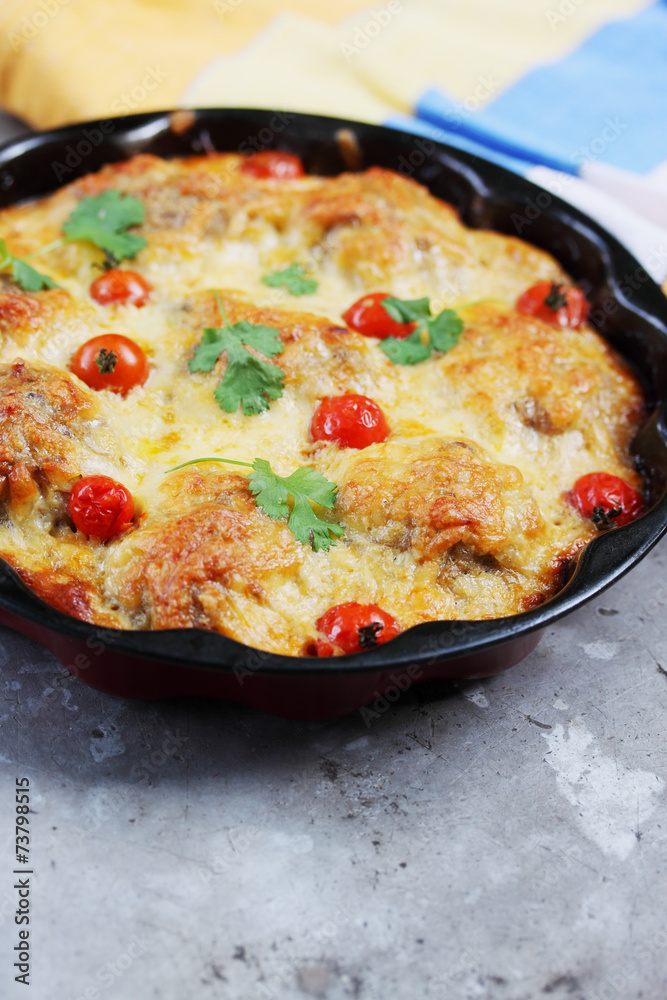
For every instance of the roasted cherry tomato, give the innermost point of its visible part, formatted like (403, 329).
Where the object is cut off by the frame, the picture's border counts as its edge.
(110, 361)
(273, 164)
(605, 499)
(351, 627)
(351, 421)
(126, 287)
(101, 507)
(559, 305)
(368, 316)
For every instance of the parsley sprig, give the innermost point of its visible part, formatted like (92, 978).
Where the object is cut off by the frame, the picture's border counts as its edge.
(103, 220)
(248, 381)
(23, 274)
(293, 279)
(303, 487)
(432, 333)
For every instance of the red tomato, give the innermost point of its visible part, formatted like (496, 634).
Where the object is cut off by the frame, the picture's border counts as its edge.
(368, 316)
(100, 507)
(555, 304)
(351, 421)
(352, 627)
(605, 499)
(110, 361)
(273, 164)
(121, 286)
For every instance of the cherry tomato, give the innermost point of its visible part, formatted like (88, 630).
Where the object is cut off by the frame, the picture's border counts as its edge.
(127, 287)
(555, 304)
(351, 627)
(605, 499)
(368, 316)
(100, 507)
(273, 164)
(351, 421)
(110, 361)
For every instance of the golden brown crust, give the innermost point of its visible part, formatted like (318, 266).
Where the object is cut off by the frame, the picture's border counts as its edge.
(40, 415)
(553, 379)
(430, 494)
(208, 558)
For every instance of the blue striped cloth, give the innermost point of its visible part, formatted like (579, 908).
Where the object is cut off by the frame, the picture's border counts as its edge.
(605, 101)
(590, 127)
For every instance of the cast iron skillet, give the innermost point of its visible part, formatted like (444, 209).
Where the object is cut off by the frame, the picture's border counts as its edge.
(628, 308)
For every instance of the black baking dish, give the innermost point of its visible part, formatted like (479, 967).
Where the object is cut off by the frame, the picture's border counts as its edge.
(631, 315)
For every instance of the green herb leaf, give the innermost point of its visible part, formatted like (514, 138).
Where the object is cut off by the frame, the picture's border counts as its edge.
(28, 278)
(248, 382)
(305, 486)
(104, 220)
(445, 330)
(442, 331)
(293, 279)
(407, 310)
(23, 274)
(407, 351)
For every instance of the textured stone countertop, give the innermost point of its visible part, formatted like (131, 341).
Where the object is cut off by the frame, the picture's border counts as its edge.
(498, 840)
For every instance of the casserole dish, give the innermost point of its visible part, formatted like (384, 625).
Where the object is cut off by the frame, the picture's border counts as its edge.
(627, 308)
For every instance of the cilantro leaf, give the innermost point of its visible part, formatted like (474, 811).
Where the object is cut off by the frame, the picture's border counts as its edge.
(407, 351)
(407, 310)
(433, 333)
(304, 485)
(265, 339)
(208, 350)
(28, 278)
(23, 274)
(248, 382)
(270, 490)
(445, 330)
(293, 279)
(104, 220)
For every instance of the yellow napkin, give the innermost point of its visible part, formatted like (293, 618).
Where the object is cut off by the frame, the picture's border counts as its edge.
(67, 60)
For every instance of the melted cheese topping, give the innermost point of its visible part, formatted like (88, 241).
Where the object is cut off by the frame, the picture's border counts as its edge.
(460, 514)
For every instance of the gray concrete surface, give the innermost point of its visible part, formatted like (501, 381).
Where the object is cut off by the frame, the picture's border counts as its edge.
(502, 840)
